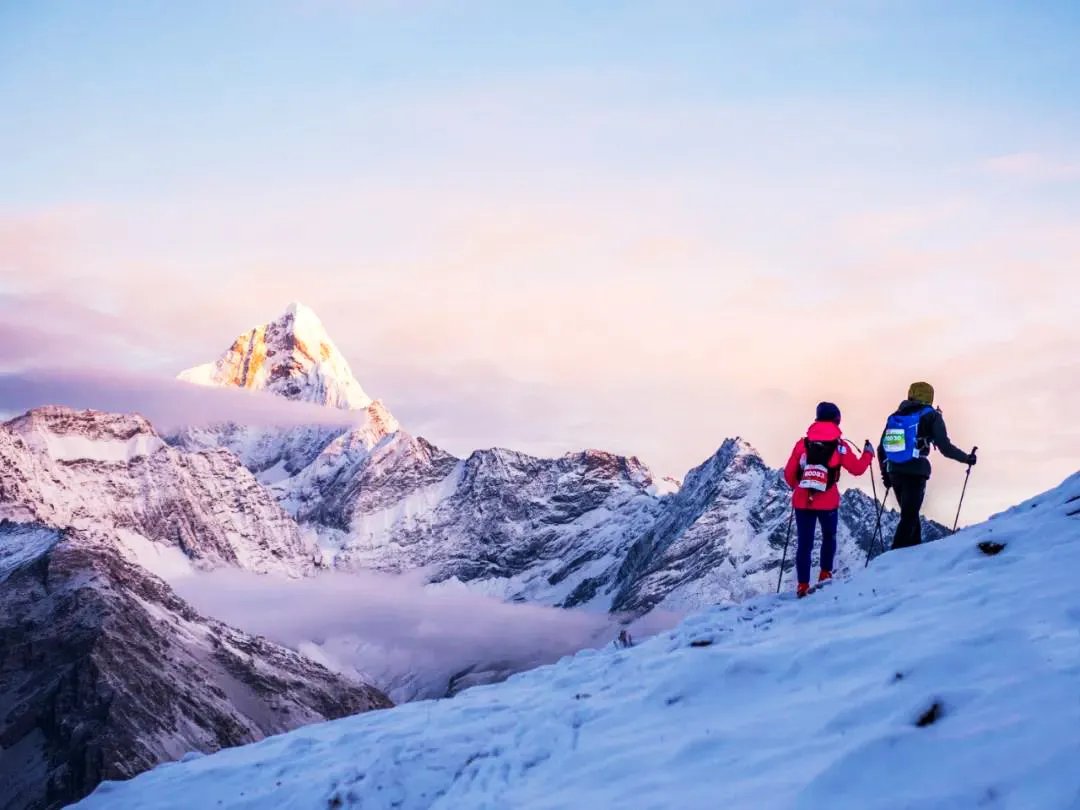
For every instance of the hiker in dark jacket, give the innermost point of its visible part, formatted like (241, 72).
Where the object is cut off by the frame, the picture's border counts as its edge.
(903, 456)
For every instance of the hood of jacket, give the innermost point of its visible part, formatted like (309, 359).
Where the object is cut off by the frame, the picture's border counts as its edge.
(824, 432)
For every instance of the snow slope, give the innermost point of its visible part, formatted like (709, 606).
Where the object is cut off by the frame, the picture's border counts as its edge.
(942, 677)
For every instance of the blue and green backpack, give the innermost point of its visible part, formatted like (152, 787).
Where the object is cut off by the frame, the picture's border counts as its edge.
(901, 439)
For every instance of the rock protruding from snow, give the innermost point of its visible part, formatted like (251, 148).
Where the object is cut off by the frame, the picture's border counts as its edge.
(292, 357)
(107, 673)
(111, 472)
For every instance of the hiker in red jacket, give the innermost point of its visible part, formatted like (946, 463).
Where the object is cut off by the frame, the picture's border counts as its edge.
(813, 472)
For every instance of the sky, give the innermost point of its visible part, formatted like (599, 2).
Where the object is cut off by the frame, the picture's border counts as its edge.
(640, 226)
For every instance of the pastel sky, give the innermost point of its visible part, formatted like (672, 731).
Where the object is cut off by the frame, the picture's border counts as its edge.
(641, 226)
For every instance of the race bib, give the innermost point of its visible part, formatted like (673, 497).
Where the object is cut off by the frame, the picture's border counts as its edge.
(815, 477)
(895, 441)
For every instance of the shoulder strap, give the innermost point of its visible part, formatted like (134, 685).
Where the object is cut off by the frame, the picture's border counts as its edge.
(834, 470)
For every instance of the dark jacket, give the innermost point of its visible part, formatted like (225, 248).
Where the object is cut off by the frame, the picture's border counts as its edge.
(931, 431)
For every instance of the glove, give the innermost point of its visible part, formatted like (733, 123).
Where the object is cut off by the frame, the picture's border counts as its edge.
(971, 459)
(886, 480)
(868, 447)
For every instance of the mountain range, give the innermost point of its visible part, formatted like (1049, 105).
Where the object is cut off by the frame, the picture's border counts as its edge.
(106, 671)
(589, 529)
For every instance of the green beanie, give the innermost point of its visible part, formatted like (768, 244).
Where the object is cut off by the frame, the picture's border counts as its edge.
(921, 392)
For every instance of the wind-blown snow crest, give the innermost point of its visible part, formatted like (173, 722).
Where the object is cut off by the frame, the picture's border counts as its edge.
(943, 677)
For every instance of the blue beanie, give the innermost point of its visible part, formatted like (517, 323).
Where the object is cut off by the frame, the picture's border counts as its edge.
(827, 412)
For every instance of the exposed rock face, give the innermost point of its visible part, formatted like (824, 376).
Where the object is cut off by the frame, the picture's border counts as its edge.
(92, 470)
(105, 672)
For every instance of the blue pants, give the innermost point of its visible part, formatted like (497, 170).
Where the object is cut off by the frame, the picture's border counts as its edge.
(805, 522)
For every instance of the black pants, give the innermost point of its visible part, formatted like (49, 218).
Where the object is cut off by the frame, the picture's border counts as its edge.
(910, 490)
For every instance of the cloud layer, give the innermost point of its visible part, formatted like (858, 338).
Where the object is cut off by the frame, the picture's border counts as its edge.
(413, 641)
(165, 401)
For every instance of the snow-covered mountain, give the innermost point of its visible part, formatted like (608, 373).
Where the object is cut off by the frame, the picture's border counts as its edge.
(943, 677)
(510, 524)
(291, 357)
(105, 672)
(99, 513)
(112, 472)
(588, 529)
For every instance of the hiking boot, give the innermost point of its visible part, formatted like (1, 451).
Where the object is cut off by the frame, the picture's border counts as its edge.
(824, 576)
(802, 590)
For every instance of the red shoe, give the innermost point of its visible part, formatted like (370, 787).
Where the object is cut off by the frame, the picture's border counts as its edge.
(824, 576)
(802, 590)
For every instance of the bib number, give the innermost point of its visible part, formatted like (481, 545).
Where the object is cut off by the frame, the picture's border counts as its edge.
(815, 477)
(895, 440)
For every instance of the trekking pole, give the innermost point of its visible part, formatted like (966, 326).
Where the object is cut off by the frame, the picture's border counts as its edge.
(963, 492)
(878, 531)
(877, 525)
(791, 519)
(880, 510)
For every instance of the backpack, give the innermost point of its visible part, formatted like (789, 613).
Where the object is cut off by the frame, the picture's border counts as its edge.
(816, 474)
(901, 440)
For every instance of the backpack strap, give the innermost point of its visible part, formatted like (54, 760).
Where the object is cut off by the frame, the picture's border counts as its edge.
(922, 440)
(834, 472)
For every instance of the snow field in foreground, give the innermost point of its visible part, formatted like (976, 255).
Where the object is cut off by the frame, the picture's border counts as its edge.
(770, 704)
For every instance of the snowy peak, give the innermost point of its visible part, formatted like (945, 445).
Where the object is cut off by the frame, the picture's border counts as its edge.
(68, 435)
(734, 456)
(292, 357)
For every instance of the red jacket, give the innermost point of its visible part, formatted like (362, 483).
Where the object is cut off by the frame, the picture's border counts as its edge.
(845, 456)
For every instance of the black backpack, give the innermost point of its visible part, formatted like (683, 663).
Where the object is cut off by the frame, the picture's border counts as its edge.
(817, 474)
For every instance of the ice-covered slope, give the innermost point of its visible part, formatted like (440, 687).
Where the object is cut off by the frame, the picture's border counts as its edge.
(104, 672)
(102, 471)
(942, 677)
